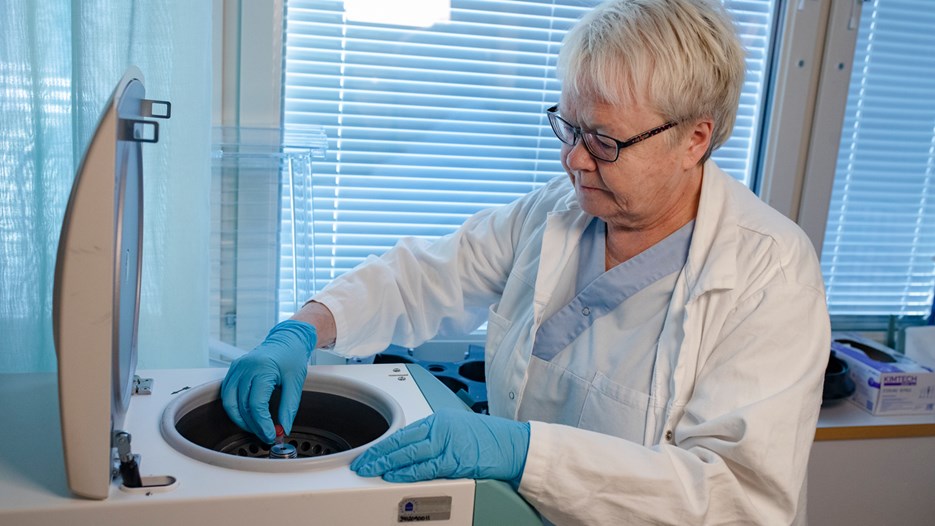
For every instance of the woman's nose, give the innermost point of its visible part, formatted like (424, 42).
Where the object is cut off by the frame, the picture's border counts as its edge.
(578, 157)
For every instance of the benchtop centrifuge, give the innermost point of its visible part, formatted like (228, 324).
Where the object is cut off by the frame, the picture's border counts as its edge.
(102, 443)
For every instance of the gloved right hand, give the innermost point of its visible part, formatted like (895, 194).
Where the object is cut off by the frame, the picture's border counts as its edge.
(281, 360)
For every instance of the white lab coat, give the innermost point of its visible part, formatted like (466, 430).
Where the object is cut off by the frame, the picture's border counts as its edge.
(737, 377)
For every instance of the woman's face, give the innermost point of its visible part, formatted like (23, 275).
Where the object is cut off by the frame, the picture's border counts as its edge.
(651, 182)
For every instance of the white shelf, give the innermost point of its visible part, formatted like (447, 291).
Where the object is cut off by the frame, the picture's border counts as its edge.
(846, 421)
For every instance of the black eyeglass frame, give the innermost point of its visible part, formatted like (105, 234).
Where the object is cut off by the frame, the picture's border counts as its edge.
(579, 134)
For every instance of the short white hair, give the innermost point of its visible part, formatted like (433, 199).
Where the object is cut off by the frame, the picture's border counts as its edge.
(683, 56)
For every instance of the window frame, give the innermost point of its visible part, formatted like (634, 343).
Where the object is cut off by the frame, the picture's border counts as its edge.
(807, 103)
(247, 70)
(804, 102)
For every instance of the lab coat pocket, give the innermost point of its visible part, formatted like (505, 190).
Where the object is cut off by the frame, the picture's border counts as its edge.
(497, 328)
(613, 409)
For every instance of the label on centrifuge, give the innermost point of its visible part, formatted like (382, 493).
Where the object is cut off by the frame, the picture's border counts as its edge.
(423, 509)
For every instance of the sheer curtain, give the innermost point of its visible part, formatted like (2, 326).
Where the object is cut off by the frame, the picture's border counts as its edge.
(59, 62)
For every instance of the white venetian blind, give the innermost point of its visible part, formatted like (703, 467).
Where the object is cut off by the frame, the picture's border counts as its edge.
(880, 237)
(426, 126)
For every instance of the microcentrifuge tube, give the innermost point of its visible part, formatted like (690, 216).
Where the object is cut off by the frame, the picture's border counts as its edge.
(280, 449)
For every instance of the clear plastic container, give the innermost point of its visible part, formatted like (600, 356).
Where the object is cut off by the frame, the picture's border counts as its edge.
(262, 229)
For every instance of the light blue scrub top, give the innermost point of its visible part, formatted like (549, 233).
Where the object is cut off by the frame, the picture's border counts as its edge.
(637, 291)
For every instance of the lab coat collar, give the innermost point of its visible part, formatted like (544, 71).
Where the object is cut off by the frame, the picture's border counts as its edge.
(712, 256)
(560, 240)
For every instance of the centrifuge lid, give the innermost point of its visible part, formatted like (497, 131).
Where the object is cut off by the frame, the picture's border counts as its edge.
(97, 284)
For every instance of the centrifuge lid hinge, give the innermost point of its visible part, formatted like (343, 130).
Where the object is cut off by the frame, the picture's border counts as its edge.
(142, 386)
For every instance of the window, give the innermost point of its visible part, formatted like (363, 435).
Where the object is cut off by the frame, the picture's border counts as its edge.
(428, 125)
(877, 256)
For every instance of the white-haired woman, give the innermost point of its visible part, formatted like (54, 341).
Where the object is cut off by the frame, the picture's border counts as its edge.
(656, 334)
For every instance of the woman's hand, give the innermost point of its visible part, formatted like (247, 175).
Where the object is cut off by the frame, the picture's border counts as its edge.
(450, 444)
(282, 359)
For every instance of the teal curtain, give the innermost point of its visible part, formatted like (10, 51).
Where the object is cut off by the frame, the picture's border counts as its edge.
(59, 63)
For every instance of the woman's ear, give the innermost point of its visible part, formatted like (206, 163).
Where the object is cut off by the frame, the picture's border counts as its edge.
(697, 142)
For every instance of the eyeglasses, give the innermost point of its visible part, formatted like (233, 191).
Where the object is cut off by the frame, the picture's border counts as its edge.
(600, 146)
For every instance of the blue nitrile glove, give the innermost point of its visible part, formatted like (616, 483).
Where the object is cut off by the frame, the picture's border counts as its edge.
(450, 444)
(282, 359)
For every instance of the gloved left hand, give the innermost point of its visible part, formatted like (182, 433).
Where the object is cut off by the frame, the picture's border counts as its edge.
(450, 444)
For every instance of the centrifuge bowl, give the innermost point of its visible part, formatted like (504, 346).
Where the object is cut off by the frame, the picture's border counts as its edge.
(338, 419)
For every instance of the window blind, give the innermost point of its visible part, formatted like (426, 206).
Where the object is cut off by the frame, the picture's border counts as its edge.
(426, 126)
(880, 236)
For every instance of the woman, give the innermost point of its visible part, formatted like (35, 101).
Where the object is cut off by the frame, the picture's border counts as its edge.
(656, 334)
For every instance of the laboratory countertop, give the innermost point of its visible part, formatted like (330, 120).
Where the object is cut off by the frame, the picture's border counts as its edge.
(846, 421)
